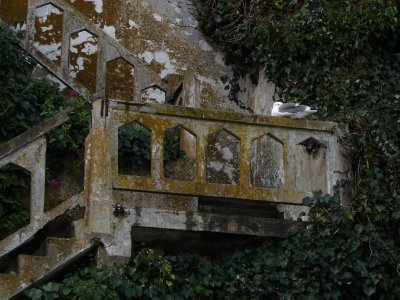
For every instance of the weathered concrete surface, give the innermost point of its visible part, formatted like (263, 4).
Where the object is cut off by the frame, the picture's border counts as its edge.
(223, 157)
(48, 31)
(202, 221)
(267, 169)
(164, 35)
(14, 13)
(120, 80)
(31, 269)
(83, 52)
(183, 168)
(26, 233)
(284, 161)
(153, 47)
(98, 184)
(77, 67)
(28, 151)
(31, 157)
(76, 39)
(119, 245)
(34, 133)
(154, 200)
(294, 212)
(257, 92)
(311, 166)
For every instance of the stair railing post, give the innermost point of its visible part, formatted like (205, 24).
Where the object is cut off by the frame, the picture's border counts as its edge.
(98, 175)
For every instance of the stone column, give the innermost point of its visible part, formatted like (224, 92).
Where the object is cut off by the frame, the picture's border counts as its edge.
(98, 174)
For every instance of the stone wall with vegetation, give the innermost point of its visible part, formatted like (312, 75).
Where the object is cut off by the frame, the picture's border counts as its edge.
(342, 57)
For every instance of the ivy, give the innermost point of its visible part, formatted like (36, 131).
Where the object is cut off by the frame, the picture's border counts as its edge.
(14, 198)
(148, 276)
(333, 258)
(26, 101)
(134, 146)
(172, 145)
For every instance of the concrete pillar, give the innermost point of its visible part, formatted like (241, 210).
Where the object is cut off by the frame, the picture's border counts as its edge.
(98, 174)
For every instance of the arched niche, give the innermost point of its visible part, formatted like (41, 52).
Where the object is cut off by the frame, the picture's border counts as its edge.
(311, 172)
(267, 162)
(180, 153)
(223, 158)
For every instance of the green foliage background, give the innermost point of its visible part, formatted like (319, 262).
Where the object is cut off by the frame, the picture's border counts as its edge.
(134, 141)
(342, 57)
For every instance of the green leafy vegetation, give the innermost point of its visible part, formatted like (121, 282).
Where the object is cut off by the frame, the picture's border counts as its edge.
(148, 276)
(333, 258)
(14, 198)
(134, 146)
(172, 145)
(134, 142)
(343, 58)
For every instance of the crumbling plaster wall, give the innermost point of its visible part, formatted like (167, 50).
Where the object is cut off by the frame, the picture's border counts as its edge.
(166, 36)
(257, 92)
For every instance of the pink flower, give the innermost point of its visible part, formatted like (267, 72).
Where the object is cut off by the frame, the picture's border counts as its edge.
(54, 184)
(74, 94)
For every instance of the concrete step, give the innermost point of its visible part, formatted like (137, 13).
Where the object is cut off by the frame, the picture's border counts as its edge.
(8, 283)
(57, 247)
(227, 210)
(31, 267)
(79, 228)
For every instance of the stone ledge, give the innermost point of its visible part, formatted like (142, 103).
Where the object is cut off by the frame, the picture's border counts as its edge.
(212, 222)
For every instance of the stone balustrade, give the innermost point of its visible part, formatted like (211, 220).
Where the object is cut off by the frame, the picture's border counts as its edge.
(223, 154)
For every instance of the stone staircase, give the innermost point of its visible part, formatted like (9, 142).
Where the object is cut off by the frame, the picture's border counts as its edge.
(22, 262)
(59, 252)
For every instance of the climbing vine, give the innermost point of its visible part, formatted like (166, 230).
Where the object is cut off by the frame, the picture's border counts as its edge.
(339, 56)
(335, 257)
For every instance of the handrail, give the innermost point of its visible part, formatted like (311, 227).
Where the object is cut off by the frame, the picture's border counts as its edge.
(26, 233)
(228, 116)
(226, 145)
(37, 131)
